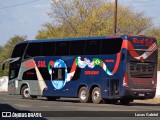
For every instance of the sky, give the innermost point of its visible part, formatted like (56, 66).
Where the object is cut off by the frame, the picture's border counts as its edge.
(27, 19)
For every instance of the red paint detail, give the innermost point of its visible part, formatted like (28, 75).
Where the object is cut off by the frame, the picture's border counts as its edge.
(109, 61)
(41, 64)
(143, 41)
(148, 42)
(71, 77)
(11, 89)
(138, 41)
(91, 72)
(73, 67)
(125, 80)
(30, 73)
(51, 63)
(117, 62)
(141, 58)
(126, 44)
(30, 64)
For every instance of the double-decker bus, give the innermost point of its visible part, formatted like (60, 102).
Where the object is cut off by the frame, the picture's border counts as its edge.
(109, 68)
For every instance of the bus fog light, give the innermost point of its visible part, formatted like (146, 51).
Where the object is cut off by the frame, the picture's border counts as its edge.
(152, 82)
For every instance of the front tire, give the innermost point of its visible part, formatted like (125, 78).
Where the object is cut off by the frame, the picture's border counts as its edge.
(96, 95)
(84, 95)
(25, 92)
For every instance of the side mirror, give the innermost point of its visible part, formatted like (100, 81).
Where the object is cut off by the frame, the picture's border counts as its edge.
(3, 66)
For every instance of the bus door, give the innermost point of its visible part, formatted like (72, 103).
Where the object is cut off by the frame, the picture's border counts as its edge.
(13, 73)
(14, 66)
(13, 83)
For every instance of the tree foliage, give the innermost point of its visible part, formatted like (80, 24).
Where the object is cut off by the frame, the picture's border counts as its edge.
(155, 31)
(6, 51)
(77, 18)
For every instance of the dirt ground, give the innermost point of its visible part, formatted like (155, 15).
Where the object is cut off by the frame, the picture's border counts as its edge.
(150, 101)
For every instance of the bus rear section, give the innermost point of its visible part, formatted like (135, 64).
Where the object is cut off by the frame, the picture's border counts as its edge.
(141, 79)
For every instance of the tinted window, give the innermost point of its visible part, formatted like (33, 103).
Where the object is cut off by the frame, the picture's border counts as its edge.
(45, 74)
(92, 47)
(48, 49)
(19, 50)
(111, 46)
(62, 48)
(30, 75)
(13, 73)
(33, 49)
(77, 47)
(58, 73)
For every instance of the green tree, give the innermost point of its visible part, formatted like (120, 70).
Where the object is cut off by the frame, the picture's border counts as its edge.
(155, 32)
(6, 51)
(76, 18)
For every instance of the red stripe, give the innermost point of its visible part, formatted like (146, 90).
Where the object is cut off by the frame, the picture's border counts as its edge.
(73, 67)
(126, 44)
(117, 62)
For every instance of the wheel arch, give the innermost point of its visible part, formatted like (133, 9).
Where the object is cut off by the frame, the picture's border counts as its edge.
(23, 84)
(92, 87)
(82, 85)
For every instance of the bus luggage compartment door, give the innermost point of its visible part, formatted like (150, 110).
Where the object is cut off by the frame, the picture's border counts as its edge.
(114, 87)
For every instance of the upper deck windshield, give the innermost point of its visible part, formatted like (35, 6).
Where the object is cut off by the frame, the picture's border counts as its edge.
(19, 50)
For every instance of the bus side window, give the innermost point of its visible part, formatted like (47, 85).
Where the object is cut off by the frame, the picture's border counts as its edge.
(92, 47)
(111, 46)
(77, 47)
(30, 75)
(62, 48)
(33, 49)
(48, 49)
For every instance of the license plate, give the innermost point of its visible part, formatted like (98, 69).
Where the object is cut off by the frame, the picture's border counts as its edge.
(141, 94)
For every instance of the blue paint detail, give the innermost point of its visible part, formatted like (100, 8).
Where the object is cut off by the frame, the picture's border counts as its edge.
(101, 80)
(59, 84)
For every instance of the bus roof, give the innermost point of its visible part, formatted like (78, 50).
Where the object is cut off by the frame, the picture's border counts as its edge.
(70, 39)
(82, 38)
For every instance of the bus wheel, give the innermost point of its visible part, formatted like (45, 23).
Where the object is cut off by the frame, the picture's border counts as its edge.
(96, 95)
(84, 95)
(125, 101)
(25, 92)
